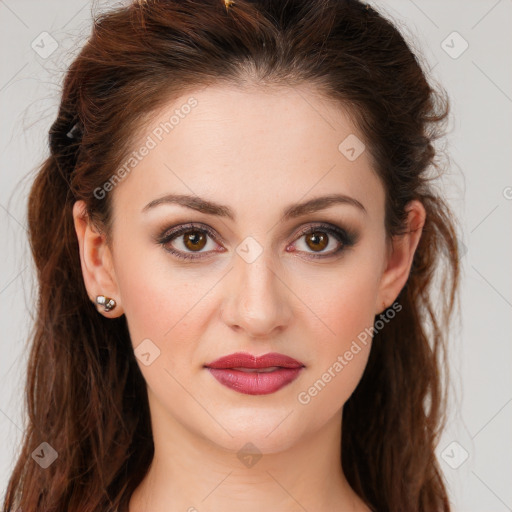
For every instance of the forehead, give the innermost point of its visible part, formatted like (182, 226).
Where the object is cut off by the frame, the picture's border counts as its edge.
(252, 147)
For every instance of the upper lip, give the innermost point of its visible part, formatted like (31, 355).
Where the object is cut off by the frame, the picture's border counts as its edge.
(245, 360)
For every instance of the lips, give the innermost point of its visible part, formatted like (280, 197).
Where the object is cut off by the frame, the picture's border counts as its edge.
(253, 375)
(244, 360)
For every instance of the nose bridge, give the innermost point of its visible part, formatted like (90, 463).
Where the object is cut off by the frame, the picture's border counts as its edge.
(258, 302)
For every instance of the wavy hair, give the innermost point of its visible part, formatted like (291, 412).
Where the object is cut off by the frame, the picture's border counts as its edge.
(85, 395)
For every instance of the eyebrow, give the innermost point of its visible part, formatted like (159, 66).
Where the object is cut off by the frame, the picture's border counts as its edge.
(290, 212)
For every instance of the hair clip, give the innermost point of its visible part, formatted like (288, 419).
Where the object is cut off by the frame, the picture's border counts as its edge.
(228, 4)
(72, 133)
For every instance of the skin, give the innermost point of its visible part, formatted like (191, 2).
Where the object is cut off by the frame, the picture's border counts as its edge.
(257, 151)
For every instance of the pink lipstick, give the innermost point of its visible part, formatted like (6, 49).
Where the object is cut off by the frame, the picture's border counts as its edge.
(253, 375)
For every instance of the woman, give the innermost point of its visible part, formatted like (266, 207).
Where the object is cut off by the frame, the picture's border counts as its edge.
(236, 238)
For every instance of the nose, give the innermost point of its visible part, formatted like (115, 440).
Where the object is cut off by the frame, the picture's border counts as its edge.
(257, 299)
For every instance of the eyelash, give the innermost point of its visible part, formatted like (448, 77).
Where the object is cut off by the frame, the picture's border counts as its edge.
(345, 237)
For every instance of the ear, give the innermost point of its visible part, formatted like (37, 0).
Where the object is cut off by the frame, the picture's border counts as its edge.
(96, 261)
(400, 255)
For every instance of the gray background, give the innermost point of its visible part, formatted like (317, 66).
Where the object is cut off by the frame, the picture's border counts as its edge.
(478, 184)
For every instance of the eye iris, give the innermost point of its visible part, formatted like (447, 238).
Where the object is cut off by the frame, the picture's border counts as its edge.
(196, 238)
(319, 240)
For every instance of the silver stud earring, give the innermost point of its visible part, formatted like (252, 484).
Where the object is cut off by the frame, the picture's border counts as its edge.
(107, 303)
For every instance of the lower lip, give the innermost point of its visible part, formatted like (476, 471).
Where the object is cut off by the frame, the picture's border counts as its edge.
(255, 383)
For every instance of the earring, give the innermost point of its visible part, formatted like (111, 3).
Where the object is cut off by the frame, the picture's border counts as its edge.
(106, 302)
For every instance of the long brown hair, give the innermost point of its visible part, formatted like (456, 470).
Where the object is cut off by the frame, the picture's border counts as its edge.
(85, 395)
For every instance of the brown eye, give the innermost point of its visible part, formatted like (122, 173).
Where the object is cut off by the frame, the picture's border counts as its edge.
(194, 240)
(317, 240)
(189, 241)
(324, 240)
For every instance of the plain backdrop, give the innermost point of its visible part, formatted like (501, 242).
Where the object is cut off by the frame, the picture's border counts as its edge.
(466, 45)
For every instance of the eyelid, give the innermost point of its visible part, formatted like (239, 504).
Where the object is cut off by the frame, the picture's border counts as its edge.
(188, 226)
(170, 234)
(346, 236)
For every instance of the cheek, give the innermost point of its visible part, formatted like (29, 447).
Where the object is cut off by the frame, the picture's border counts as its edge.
(165, 311)
(342, 304)
(340, 333)
(164, 304)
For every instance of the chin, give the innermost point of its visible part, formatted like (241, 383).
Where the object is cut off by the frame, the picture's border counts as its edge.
(265, 429)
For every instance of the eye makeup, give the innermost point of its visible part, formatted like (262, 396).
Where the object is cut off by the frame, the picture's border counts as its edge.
(319, 231)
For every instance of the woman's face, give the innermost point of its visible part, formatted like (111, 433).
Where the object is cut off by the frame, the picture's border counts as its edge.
(245, 278)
